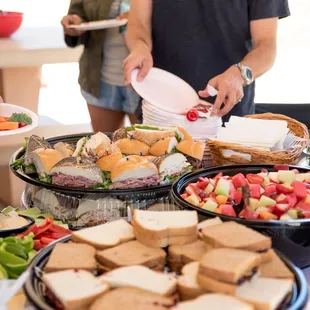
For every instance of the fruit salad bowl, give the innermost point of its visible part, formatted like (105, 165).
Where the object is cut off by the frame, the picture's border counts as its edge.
(272, 199)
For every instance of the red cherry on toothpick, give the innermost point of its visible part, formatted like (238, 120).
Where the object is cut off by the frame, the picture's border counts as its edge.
(192, 115)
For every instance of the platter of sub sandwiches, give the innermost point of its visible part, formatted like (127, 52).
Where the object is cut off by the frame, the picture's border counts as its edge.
(131, 159)
(165, 260)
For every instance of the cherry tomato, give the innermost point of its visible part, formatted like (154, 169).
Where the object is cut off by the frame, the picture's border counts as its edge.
(192, 115)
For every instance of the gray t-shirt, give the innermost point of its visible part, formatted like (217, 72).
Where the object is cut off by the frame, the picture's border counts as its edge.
(114, 51)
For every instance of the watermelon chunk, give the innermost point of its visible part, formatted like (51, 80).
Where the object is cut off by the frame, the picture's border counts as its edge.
(239, 180)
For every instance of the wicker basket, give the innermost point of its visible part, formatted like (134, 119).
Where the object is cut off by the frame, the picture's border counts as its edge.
(239, 154)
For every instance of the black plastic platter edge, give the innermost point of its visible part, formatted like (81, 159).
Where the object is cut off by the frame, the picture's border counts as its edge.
(14, 231)
(34, 289)
(155, 190)
(181, 183)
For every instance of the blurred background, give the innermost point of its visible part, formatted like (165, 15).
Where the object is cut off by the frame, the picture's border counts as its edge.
(39, 72)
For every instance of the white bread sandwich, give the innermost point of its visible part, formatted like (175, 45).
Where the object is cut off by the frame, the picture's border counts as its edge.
(207, 223)
(96, 146)
(73, 289)
(65, 149)
(44, 160)
(161, 229)
(276, 268)
(188, 287)
(129, 146)
(152, 134)
(225, 270)
(132, 253)
(171, 167)
(237, 236)
(266, 294)
(106, 163)
(180, 255)
(194, 151)
(105, 235)
(130, 298)
(135, 276)
(71, 256)
(164, 146)
(33, 144)
(76, 172)
(132, 172)
(214, 302)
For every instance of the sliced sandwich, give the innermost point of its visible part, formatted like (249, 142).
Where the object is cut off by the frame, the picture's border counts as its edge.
(172, 166)
(119, 134)
(193, 150)
(73, 289)
(276, 268)
(135, 276)
(76, 172)
(129, 146)
(105, 235)
(152, 134)
(79, 148)
(267, 294)
(161, 229)
(188, 287)
(71, 256)
(132, 253)
(237, 236)
(164, 146)
(132, 172)
(214, 302)
(33, 144)
(108, 162)
(44, 160)
(96, 146)
(224, 270)
(186, 135)
(179, 255)
(150, 158)
(131, 298)
(65, 149)
(207, 223)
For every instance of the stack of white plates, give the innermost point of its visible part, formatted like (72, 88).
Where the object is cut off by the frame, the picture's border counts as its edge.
(202, 129)
(167, 98)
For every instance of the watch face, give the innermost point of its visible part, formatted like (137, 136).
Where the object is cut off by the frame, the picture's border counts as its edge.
(249, 74)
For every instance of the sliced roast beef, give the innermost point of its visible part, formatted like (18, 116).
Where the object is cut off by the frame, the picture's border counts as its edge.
(61, 179)
(134, 183)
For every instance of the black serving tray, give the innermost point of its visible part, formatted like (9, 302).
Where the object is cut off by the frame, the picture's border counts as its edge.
(35, 289)
(147, 192)
(290, 237)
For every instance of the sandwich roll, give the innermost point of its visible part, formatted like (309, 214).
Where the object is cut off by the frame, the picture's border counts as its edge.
(45, 160)
(186, 135)
(98, 145)
(106, 163)
(191, 148)
(164, 146)
(150, 135)
(64, 148)
(129, 146)
(134, 171)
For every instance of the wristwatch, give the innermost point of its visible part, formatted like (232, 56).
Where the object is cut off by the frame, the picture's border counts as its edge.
(246, 74)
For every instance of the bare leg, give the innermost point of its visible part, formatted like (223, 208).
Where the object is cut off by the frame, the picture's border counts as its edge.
(133, 119)
(105, 120)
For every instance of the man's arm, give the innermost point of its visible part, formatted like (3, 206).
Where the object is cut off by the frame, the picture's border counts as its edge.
(230, 83)
(139, 39)
(139, 24)
(263, 55)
